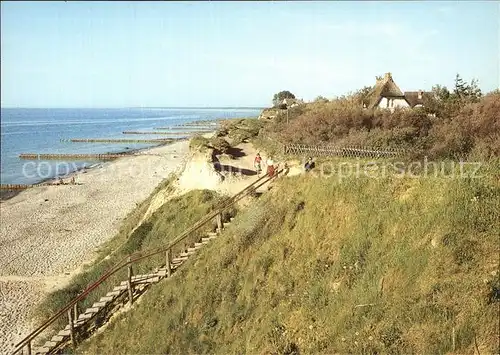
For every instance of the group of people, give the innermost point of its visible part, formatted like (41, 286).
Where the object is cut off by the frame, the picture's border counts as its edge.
(271, 169)
(269, 163)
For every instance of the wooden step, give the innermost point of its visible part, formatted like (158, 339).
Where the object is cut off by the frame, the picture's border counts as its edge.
(86, 316)
(175, 266)
(99, 304)
(119, 288)
(42, 350)
(113, 293)
(92, 310)
(192, 250)
(200, 245)
(150, 280)
(57, 338)
(64, 333)
(142, 277)
(49, 344)
(106, 299)
(177, 262)
(180, 258)
(212, 234)
(185, 255)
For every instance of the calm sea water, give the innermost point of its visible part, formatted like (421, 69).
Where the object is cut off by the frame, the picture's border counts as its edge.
(41, 131)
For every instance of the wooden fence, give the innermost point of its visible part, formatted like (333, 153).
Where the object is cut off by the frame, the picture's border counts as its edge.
(331, 150)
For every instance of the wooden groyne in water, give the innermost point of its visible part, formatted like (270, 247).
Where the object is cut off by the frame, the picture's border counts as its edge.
(15, 187)
(155, 132)
(197, 124)
(198, 129)
(98, 140)
(34, 156)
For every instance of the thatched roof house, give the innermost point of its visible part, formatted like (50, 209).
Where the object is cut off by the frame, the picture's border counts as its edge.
(387, 94)
(416, 98)
(289, 103)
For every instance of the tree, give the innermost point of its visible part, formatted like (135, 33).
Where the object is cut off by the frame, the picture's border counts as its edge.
(465, 91)
(279, 97)
(460, 87)
(473, 91)
(441, 93)
(321, 99)
(363, 95)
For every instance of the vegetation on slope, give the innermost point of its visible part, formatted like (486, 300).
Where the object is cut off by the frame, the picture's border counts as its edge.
(466, 129)
(202, 144)
(391, 265)
(458, 123)
(173, 218)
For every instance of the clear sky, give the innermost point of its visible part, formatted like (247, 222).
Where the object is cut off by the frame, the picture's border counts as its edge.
(161, 54)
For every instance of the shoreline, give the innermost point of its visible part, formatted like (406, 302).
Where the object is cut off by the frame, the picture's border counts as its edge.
(48, 233)
(8, 194)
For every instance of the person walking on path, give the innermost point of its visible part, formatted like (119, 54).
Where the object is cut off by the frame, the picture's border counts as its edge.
(270, 167)
(257, 164)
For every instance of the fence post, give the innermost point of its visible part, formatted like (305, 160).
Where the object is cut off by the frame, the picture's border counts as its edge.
(220, 225)
(71, 328)
(129, 283)
(29, 347)
(75, 311)
(453, 338)
(168, 257)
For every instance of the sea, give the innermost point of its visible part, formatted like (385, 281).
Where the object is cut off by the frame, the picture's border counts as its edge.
(44, 131)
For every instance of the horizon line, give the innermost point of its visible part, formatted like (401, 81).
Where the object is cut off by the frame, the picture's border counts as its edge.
(138, 107)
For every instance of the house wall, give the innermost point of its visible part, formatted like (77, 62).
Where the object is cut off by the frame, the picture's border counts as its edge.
(392, 103)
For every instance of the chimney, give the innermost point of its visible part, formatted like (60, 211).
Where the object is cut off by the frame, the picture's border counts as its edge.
(387, 77)
(420, 93)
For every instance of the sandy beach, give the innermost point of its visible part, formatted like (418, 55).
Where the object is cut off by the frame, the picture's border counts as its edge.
(47, 233)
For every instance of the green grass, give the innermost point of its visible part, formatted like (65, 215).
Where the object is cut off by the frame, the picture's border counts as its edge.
(198, 143)
(240, 129)
(322, 265)
(164, 225)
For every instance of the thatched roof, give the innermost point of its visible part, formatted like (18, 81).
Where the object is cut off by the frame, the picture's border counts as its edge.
(415, 98)
(385, 87)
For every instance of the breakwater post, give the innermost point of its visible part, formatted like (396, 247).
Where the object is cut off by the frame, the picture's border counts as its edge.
(154, 132)
(14, 187)
(33, 156)
(98, 140)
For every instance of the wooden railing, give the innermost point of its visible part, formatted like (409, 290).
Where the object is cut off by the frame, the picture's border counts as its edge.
(135, 257)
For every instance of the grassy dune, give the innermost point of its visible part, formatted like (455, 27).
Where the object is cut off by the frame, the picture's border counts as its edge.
(317, 265)
(164, 225)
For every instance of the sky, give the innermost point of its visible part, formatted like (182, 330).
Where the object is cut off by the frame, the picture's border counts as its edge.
(219, 54)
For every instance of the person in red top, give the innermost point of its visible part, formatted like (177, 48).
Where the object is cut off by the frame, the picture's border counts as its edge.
(257, 163)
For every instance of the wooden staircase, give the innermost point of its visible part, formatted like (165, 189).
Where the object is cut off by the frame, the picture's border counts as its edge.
(82, 325)
(96, 315)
